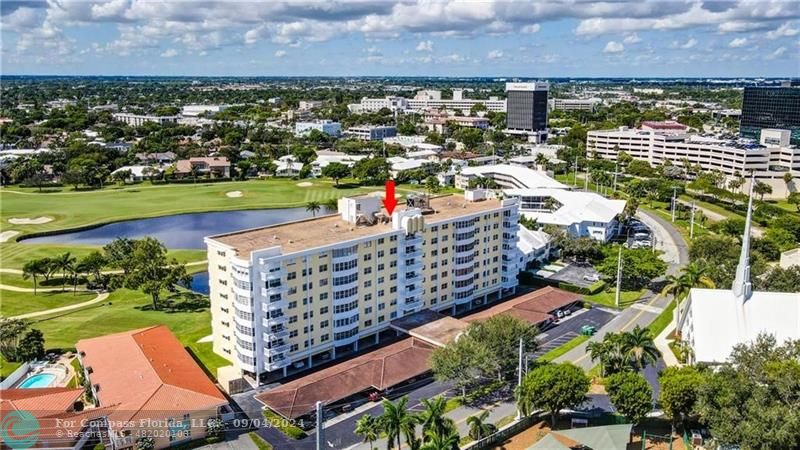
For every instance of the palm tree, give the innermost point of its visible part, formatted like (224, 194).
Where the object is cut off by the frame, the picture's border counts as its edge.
(434, 441)
(313, 207)
(696, 276)
(432, 417)
(396, 421)
(640, 348)
(369, 428)
(677, 286)
(541, 161)
(331, 204)
(610, 352)
(32, 269)
(478, 427)
(65, 264)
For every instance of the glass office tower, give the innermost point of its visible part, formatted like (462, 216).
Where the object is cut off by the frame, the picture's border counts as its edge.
(771, 107)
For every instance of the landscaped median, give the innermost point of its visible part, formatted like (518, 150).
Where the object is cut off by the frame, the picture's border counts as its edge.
(285, 426)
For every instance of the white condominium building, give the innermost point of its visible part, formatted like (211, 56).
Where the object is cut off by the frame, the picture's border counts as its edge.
(328, 127)
(581, 214)
(303, 292)
(508, 177)
(767, 160)
(136, 120)
(196, 110)
(376, 104)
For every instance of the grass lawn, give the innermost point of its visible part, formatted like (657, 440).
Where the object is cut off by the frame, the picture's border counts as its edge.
(608, 298)
(560, 350)
(260, 443)
(188, 317)
(663, 319)
(283, 425)
(7, 368)
(16, 303)
(14, 255)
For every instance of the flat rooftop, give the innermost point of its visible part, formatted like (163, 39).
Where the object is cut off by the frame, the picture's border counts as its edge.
(430, 326)
(331, 229)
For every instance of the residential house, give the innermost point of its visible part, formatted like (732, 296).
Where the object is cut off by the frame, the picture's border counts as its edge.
(288, 166)
(217, 166)
(156, 157)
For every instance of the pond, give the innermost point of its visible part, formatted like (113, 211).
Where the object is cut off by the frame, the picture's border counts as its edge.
(199, 283)
(184, 231)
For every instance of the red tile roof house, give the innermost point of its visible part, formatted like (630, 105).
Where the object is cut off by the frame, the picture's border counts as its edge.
(217, 166)
(51, 418)
(156, 386)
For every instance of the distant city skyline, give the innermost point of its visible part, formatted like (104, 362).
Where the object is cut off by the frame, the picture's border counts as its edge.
(744, 38)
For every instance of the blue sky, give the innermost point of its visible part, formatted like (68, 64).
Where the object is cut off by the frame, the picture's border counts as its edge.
(748, 38)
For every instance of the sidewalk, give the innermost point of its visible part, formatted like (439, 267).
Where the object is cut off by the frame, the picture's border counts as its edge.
(663, 346)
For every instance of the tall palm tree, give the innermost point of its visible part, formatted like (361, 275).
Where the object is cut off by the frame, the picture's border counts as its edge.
(541, 161)
(32, 269)
(640, 348)
(313, 208)
(65, 264)
(369, 428)
(611, 353)
(331, 204)
(524, 400)
(677, 286)
(435, 441)
(397, 421)
(432, 417)
(696, 276)
(478, 427)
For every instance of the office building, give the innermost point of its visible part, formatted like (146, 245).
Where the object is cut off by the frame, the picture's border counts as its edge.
(303, 292)
(507, 177)
(371, 132)
(438, 121)
(768, 159)
(136, 120)
(196, 110)
(328, 127)
(526, 105)
(391, 103)
(309, 104)
(574, 104)
(771, 107)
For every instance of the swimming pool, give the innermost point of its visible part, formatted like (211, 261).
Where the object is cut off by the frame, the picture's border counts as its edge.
(40, 380)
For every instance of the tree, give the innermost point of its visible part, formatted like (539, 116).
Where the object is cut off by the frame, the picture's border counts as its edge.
(787, 178)
(11, 331)
(313, 207)
(434, 441)
(371, 170)
(778, 279)
(694, 275)
(500, 336)
(761, 189)
(751, 402)
(397, 421)
(31, 346)
(119, 254)
(432, 417)
(462, 362)
(554, 387)
(610, 352)
(151, 271)
(369, 428)
(215, 428)
(640, 347)
(145, 443)
(630, 394)
(794, 199)
(336, 171)
(541, 161)
(639, 266)
(679, 391)
(432, 184)
(478, 427)
(93, 264)
(33, 269)
(66, 264)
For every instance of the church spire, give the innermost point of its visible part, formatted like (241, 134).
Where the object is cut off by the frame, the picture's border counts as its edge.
(742, 284)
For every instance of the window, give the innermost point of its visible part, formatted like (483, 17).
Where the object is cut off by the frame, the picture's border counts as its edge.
(291, 275)
(368, 283)
(381, 318)
(323, 310)
(367, 270)
(368, 310)
(393, 251)
(380, 253)
(293, 334)
(323, 268)
(324, 338)
(367, 297)
(380, 293)
(368, 257)
(323, 296)
(292, 319)
(292, 304)
(323, 324)
(368, 323)
(381, 306)
(294, 348)
(380, 267)
(307, 272)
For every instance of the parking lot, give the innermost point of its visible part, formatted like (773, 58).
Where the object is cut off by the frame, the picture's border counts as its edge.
(567, 329)
(581, 276)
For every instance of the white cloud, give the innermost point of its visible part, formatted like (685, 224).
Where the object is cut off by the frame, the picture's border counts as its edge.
(531, 29)
(632, 38)
(495, 54)
(738, 42)
(690, 43)
(425, 46)
(280, 53)
(614, 47)
(169, 53)
(784, 30)
(777, 53)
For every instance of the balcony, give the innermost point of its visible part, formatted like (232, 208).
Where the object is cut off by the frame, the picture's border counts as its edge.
(246, 307)
(414, 239)
(276, 350)
(416, 264)
(279, 333)
(468, 288)
(277, 364)
(271, 276)
(345, 341)
(345, 258)
(463, 277)
(245, 292)
(344, 300)
(345, 272)
(416, 253)
(244, 337)
(275, 321)
(248, 323)
(246, 364)
(344, 287)
(469, 262)
(412, 303)
(245, 351)
(276, 290)
(413, 278)
(509, 283)
(274, 306)
(241, 276)
(412, 289)
(344, 328)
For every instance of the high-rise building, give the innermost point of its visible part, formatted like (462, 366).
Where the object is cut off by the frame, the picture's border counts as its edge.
(526, 109)
(771, 107)
(301, 293)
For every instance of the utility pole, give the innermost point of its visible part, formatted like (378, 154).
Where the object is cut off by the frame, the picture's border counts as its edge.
(616, 165)
(619, 277)
(320, 428)
(586, 180)
(519, 370)
(674, 200)
(575, 173)
(691, 224)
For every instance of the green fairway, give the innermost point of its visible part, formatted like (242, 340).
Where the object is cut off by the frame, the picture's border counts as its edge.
(16, 303)
(14, 255)
(188, 318)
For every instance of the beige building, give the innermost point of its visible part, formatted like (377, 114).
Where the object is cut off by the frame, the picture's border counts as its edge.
(290, 296)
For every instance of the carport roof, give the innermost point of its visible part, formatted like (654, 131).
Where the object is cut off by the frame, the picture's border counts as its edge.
(379, 369)
(535, 307)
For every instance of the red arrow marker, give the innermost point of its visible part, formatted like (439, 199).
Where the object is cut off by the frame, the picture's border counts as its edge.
(389, 202)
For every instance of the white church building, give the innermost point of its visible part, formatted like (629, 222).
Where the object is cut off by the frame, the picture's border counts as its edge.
(713, 321)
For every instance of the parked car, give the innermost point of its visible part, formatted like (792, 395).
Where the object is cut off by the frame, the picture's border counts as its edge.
(591, 277)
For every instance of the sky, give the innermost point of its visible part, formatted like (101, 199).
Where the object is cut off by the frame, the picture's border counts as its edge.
(686, 38)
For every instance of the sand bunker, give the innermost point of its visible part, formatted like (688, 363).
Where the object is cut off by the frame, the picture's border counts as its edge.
(305, 184)
(26, 221)
(6, 235)
(234, 194)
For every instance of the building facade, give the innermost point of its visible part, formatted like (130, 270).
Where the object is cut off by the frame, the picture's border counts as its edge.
(328, 127)
(526, 105)
(771, 107)
(136, 120)
(371, 132)
(197, 110)
(303, 292)
(574, 104)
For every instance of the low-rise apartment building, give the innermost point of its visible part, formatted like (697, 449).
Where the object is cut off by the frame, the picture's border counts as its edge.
(371, 132)
(136, 120)
(328, 127)
(507, 176)
(768, 160)
(197, 110)
(303, 292)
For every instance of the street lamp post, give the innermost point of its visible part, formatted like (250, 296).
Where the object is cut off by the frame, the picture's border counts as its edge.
(619, 277)
(674, 200)
(691, 224)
